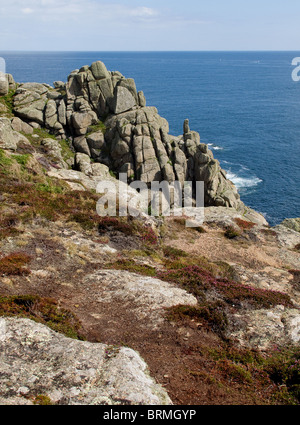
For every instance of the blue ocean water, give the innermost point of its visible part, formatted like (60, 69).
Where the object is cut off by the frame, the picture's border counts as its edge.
(245, 105)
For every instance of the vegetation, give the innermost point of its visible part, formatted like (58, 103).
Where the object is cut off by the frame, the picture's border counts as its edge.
(132, 266)
(27, 193)
(42, 310)
(97, 127)
(42, 400)
(14, 264)
(231, 232)
(244, 225)
(8, 102)
(212, 313)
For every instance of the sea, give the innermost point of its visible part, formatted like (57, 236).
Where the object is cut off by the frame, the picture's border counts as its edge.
(245, 105)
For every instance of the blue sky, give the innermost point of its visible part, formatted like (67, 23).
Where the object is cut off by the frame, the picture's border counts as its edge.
(149, 25)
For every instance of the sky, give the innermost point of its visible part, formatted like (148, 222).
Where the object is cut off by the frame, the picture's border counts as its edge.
(149, 25)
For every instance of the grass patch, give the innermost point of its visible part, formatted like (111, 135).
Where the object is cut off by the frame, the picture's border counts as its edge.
(132, 266)
(5, 161)
(66, 151)
(42, 310)
(8, 101)
(49, 188)
(234, 372)
(22, 159)
(43, 134)
(33, 194)
(174, 253)
(100, 126)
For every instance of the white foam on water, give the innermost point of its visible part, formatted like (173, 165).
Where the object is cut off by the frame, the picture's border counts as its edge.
(214, 147)
(241, 182)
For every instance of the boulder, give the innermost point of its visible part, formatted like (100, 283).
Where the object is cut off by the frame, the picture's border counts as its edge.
(36, 360)
(123, 100)
(9, 139)
(51, 117)
(95, 142)
(30, 101)
(142, 99)
(263, 329)
(19, 125)
(83, 163)
(11, 82)
(59, 85)
(62, 113)
(82, 120)
(80, 145)
(53, 151)
(99, 70)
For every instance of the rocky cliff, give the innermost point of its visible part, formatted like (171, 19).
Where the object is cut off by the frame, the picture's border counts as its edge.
(204, 315)
(109, 122)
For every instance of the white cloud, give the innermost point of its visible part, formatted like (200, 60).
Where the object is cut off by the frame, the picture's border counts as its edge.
(27, 11)
(83, 7)
(143, 12)
(87, 24)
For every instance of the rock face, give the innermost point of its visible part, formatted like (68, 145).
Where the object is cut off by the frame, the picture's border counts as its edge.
(265, 329)
(135, 140)
(146, 296)
(69, 371)
(9, 139)
(292, 223)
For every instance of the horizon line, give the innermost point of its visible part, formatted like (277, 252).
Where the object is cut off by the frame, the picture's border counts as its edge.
(147, 51)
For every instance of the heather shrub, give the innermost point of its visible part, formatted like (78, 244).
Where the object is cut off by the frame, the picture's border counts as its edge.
(148, 236)
(284, 369)
(231, 232)
(243, 224)
(212, 313)
(14, 264)
(106, 224)
(42, 310)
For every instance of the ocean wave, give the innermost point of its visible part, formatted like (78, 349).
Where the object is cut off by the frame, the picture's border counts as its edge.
(241, 182)
(214, 147)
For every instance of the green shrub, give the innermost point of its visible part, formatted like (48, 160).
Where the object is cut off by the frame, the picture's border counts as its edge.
(42, 310)
(231, 232)
(284, 369)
